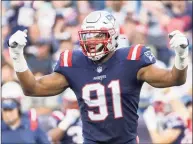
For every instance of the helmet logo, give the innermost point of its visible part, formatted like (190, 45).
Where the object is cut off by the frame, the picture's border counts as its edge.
(110, 17)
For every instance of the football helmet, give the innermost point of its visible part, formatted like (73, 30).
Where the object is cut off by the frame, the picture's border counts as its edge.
(12, 90)
(160, 104)
(69, 100)
(98, 35)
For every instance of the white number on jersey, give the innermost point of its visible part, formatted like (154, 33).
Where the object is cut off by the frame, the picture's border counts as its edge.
(76, 133)
(100, 100)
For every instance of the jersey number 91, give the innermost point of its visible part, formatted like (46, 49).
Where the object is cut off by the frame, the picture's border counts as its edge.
(100, 100)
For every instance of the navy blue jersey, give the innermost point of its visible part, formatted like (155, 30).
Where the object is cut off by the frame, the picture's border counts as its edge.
(107, 93)
(26, 133)
(173, 121)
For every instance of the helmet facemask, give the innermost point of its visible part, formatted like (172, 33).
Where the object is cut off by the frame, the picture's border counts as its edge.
(94, 43)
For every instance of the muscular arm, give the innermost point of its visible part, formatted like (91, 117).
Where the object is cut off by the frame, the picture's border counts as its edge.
(162, 78)
(47, 85)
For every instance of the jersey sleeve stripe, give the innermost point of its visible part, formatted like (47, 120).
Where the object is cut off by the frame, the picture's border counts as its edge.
(33, 114)
(33, 119)
(134, 53)
(130, 53)
(139, 52)
(58, 115)
(66, 58)
(62, 59)
(70, 58)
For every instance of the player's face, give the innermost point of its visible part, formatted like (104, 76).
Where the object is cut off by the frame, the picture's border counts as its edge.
(94, 42)
(159, 107)
(10, 116)
(93, 38)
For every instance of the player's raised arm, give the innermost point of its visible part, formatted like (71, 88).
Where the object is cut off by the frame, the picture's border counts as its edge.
(48, 85)
(161, 78)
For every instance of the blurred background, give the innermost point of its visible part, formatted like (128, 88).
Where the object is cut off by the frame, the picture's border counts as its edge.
(53, 27)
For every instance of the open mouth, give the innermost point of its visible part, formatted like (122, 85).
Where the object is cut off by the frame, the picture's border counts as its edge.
(92, 49)
(95, 48)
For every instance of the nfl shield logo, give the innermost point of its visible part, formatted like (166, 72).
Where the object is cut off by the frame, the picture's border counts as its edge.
(99, 69)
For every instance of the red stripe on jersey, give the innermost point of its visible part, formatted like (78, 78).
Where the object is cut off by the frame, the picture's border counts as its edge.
(69, 61)
(130, 52)
(56, 117)
(139, 52)
(62, 59)
(33, 120)
(189, 123)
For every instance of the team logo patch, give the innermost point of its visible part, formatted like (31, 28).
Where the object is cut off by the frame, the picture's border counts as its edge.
(149, 55)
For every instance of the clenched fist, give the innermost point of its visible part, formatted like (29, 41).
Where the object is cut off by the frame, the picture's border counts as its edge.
(179, 43)
(16, 44)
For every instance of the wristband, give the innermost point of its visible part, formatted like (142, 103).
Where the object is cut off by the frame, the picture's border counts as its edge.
(181, 63)
(19, 63)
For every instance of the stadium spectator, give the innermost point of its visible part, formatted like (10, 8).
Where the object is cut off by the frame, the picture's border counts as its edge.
(117, 9)
(17, 126)
(42, 57)
(64, 125)
(188, 132)
(163, 124)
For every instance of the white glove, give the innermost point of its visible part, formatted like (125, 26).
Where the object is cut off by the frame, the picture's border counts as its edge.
(16, 44)
(69, 119)
(179, 43)
(150, 118)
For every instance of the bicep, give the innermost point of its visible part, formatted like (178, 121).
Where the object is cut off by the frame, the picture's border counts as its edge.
(50, 85)
(155, 76)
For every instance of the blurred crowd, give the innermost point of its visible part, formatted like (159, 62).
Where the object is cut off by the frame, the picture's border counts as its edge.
(53, 27)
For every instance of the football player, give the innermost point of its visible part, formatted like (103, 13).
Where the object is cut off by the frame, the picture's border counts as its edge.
(67, 126)
(188, 133)
(106, 80)
(164, 125)
(18, 126)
